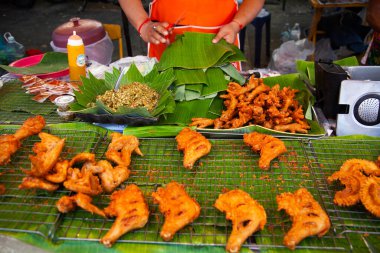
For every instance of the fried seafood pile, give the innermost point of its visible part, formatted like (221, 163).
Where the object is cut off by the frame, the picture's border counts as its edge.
(177, 206)
(258, 104)
(10, 143)
(269, 147)
(307, 216)
(361, 179)
(193, 144)
(246, 214)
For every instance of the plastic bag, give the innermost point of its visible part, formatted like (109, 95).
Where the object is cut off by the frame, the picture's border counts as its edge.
(100, 51)
(284, 58)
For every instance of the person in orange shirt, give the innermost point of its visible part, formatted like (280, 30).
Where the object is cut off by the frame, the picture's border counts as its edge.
(167, 18)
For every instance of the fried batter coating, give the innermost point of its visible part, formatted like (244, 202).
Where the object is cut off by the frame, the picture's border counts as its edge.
(370, 195)
(83, 181)
(68, 203)
(292, 128)
(112, 177)
(246, 214)
(364, 166)
(10, 143)
(131, 211)
(177, 206)
(307, 216)
(269, 147)
(37, 183)
(82, 158)
(121, 148)
(2, 187)
(47, 154)
(59, 172)
(194, 146)
(202, 122)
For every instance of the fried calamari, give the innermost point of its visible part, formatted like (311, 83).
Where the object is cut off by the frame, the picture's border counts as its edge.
(307, 216)
(194, 146)
(269, 147)
(121, 148)
(246, 214)
(131, 211)
(178, 208)
(68, 203)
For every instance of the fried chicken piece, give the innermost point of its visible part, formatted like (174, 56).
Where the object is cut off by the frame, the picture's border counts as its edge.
(82, 158)
(352, 181)
(121, 148)
(131, 211)
(178, 208)
(37, 183)
(370, 195)
(292, 128)
(270, 147)
(2, 189)
(59, 172)
(194, 146)
(10, 143)
(231, 111)
(201, 122)
(364, 166)
(307, 216)
(246, 214)
(68, 203)
(83, 181)
(47, 154)
(112, 177)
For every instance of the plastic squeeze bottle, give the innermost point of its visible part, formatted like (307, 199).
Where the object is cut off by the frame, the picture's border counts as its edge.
(76, 57)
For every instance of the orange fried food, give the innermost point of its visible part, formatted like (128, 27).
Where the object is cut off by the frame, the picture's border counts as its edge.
(178, 208)
(121, 148)
(292, 128)
(246, 214)
(9, 143)
(47, 154)
(37, 183)
(2, 187)
(269, 147)
(83, 180)
(370, 195)
(82, 158)
(364, 166)
(68, 203)
(131, 211)
(193, 144)
(112, 177)
(307, 216)
(352, 181)
(202, 122)
(59, 172)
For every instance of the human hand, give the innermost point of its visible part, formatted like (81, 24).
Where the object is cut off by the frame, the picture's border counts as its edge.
(155, 32)
(227, 32)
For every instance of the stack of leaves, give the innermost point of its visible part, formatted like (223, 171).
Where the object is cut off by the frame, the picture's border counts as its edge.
(87, 102)
(202, 70)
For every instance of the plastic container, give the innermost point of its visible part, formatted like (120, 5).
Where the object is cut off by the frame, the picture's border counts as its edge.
(11, 50)
(76, 57)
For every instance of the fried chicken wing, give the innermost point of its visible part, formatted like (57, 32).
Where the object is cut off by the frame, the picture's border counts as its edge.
(194, 146)
(47, 154)
(246, 214)
(68, 203)
(269, 147)
(83, 181)
(82, 158)
(59, 172)
(37, 183)
(370, 195)
(131, 211)
(121, 148)
(307, 216)
(10, 143)
(112, 177)
(178, 208)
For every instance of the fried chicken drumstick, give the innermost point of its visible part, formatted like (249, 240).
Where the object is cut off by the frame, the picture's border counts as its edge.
(246, 214)
(9, 143)
(69, 203)
(193, 144)
(269, 147)
(177, 206)
(131, 213)
(307, 215)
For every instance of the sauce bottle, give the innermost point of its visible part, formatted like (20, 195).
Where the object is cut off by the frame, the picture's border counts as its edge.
(76, 57)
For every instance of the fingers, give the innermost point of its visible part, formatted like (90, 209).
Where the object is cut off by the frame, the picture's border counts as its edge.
(227, 33)
(156, 33)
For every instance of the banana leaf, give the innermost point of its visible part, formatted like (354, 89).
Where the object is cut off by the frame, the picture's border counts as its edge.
(50, 62)
(190, 76)
(92, 87)
(196, 51)
(307, 70)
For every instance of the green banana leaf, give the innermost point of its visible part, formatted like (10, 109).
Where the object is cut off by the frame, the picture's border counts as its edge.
(92, 87)
(196, 51)
(307, 70)
(50, 62)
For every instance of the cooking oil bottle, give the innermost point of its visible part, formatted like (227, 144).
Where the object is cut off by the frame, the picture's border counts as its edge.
(76, 57)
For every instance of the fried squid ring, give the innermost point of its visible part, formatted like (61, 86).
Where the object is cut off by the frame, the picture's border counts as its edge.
(370, 195)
